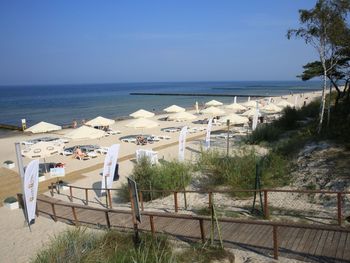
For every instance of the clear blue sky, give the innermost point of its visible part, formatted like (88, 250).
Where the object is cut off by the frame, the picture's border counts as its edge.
(72, 41)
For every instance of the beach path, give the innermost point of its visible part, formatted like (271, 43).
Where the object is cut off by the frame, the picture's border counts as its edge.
(312, 245)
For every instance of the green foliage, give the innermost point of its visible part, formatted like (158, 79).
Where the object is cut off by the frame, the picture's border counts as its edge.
(238, 172)
(264, 133)
(79, 245)
(172, 175)
(82, 246)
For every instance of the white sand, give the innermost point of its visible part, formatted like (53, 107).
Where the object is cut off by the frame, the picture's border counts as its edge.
(18, 244)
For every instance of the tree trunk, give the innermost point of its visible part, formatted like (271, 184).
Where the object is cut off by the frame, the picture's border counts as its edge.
(323, 99)
(329, 105)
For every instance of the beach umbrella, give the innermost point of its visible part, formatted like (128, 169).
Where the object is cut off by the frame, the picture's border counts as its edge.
(174, 109)
(250, 104)
(42, 150)
(182, 116)
(271, 108)
(250, 113)
(284, 103)
(234, 119)
(142, 123)
(236, 107)
(213, 111)
(85, 132)
(142, 114)
(213, 103)
(43, 127)
(100, 121)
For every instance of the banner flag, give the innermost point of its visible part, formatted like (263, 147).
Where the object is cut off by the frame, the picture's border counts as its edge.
(182, 143)
(255, 119)
(235, 99)
(109, 167)
(31, 181)
(207, 138)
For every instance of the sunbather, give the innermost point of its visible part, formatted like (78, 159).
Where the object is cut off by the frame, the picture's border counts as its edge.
(79, 154)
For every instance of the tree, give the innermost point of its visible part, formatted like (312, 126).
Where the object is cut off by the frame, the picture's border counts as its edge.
(323, 27)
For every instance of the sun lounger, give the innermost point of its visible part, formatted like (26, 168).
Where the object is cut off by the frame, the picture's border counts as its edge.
(102, 150)
(129, 139)
(113, 132)
(151, 155)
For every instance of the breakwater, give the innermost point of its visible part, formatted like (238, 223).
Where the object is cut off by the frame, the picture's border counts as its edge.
(197, 94)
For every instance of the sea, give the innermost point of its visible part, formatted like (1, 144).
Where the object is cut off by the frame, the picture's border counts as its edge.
(62, 104)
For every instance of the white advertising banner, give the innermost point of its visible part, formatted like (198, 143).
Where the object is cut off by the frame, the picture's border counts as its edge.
(207, 137)
(296, 101)
(182, 143)
(235, 99)
(109, 166)
(31, 180)
(255, 119)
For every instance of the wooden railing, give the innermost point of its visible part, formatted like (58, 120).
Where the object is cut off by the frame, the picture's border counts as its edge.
(210, 193)
(106, 213)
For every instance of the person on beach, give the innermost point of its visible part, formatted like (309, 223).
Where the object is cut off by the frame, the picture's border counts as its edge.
(75, 124)
(79, 153)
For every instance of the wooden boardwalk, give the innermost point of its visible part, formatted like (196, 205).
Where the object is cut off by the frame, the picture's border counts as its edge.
(302, 243)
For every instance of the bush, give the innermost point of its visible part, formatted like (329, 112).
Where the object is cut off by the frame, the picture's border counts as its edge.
(79, 245)
(264, 132)
(165, 176)
(239, 172)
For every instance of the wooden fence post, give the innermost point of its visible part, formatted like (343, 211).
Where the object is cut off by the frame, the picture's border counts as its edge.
(201, 225)
(339, 206)
(275, 242)
(70, 193)
(54, 212)
(86, 196)
(76, 222)
(266, 205)
(151, 221)
(107, 220)
(210, 199)
(141, 200)
(109, 198)
(51, 190)
(175, 201)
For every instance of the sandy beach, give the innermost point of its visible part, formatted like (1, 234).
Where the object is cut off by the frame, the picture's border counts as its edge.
(86, 173)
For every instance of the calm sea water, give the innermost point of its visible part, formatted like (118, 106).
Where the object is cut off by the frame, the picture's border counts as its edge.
(61, 104)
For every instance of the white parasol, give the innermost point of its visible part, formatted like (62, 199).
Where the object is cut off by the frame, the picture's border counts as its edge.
(284, 104)
(100, 121)
(271, 108)
(43, 127)
(142, 123)
(85, 132)
(182, 116)
(142, 114)
(250, 113)
(174, 109)
(234, 119)
(213, 103)
(213, 111)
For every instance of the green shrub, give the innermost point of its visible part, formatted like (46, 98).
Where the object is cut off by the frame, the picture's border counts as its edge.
(172, 175)
(239, 172)
(288, 120)
(264, 132)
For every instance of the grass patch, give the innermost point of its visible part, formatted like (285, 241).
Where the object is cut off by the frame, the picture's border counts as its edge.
(172, 175)
(80, 245)
(239, 172)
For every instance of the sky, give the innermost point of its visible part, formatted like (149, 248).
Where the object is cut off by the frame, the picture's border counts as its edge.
(85, 41)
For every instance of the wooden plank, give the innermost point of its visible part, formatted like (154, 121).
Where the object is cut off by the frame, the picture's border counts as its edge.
(314, 245)
(327, 244)
(292, 237)
(334, 245)
(346, 254)
(321, 243)
(309, 241)
(297, 239)
(303, 241)
(341, 246)
(264, 238)
(284, 236)
(251, 236)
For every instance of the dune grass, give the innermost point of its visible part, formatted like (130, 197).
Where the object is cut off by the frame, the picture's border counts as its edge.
(171, 175)
(80, 245)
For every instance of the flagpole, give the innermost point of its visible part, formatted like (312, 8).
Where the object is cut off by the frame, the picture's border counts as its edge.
(21, 174)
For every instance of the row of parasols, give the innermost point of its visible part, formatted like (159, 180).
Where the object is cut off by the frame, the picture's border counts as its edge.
(247, 109)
